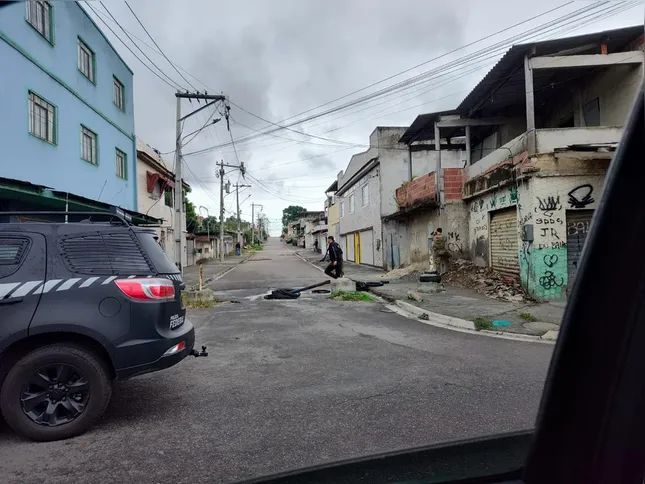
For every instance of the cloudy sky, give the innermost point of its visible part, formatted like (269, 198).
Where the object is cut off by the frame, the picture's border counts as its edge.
(280, 58)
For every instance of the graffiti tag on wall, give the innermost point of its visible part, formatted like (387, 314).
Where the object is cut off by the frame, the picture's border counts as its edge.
(549, 280)
(548, 205)
(580, 196)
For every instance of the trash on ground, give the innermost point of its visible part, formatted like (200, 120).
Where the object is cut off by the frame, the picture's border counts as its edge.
(292, 293)
(501, 323)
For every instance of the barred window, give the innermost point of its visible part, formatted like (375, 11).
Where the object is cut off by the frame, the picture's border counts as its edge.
(42, 118)
(39, 15)
(85, 60)
(117, 95)
(88, 146)
(121, 167)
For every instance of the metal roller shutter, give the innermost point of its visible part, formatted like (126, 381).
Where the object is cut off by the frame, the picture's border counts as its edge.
(503, 241)
(578, 222)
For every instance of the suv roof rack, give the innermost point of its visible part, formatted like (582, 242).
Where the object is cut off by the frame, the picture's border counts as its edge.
(110, 216)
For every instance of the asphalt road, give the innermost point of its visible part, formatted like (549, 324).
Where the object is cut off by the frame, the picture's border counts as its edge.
(290, 384)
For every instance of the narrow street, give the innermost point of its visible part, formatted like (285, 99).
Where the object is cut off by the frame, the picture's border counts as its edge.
(289, 384)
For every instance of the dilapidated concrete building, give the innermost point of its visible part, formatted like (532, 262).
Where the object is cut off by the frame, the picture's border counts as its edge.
(517, 191)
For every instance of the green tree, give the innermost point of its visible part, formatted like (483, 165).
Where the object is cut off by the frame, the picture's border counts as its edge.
(192, 225)
(290, 214)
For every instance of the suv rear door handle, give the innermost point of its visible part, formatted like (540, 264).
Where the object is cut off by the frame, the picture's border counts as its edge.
(11, 301)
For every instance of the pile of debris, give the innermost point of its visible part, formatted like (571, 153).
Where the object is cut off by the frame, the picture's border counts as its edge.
(408, 273)
(485, 281)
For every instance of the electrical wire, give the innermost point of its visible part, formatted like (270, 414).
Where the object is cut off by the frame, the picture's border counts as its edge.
(206, 124)
(128, 47)
(157, 45)
(437, 72)
(429, 61)
(616, 9)
(305, 134)
(137, 46)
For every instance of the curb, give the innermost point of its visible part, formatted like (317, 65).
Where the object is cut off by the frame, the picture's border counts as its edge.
(219, 275)
(458, 324)
(309, 262)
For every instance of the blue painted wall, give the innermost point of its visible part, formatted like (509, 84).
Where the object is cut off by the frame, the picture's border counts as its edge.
(29, 62)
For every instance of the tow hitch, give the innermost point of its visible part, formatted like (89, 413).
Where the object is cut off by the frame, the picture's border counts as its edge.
(197, 354)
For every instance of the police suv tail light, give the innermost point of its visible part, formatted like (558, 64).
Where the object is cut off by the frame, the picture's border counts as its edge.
(175, 349)
(153, 289)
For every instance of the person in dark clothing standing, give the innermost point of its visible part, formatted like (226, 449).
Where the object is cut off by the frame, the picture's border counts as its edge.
(335, 267)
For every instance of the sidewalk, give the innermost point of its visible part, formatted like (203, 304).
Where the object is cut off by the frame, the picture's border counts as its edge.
(212, 269)
(509, 317)
(512, 317)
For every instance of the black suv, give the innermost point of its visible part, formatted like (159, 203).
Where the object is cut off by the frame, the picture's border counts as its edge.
(81, 303)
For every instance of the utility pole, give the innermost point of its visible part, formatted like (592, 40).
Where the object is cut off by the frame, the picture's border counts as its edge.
(237, 198)
(253, 205)
(221, 211)
(179, 187)
(221, 174)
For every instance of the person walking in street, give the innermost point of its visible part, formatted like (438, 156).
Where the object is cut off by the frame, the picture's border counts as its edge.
(316, 245)
(335, 267)
(238, 249)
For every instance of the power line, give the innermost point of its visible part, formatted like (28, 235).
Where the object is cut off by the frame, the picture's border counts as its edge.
(137, 46)
(157, 45)
(436, 72)
(539, 32)
(128, 47)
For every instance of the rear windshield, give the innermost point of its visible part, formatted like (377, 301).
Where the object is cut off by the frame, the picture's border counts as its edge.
(149, 242)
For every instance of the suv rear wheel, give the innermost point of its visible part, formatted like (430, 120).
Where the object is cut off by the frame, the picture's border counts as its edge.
(55, 392)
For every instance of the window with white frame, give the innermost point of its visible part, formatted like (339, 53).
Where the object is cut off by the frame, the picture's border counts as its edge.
(365, 194)
(342, 209)
(351, 203)
(117, 94)
(85, 60)
(121, 166)
(42, 118)
(88, 146)
(39, 16)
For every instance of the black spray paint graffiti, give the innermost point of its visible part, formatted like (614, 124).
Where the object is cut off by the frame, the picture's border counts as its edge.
(454, 244)
(549, 204)
(549, 280)
(493, 201)
(550, 260)
(580, 196)
(549, 232)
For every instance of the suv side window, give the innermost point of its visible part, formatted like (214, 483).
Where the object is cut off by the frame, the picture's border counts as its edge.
(105, 253)
(12, 253)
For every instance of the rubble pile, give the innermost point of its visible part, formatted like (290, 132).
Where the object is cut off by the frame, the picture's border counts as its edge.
(485, 281)
(408, 273)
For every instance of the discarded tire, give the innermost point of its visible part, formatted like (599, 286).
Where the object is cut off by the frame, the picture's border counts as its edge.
(430, 278)
(374, 283)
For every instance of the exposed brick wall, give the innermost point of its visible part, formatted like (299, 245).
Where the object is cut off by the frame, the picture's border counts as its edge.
(419, 190)
(453, 180)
